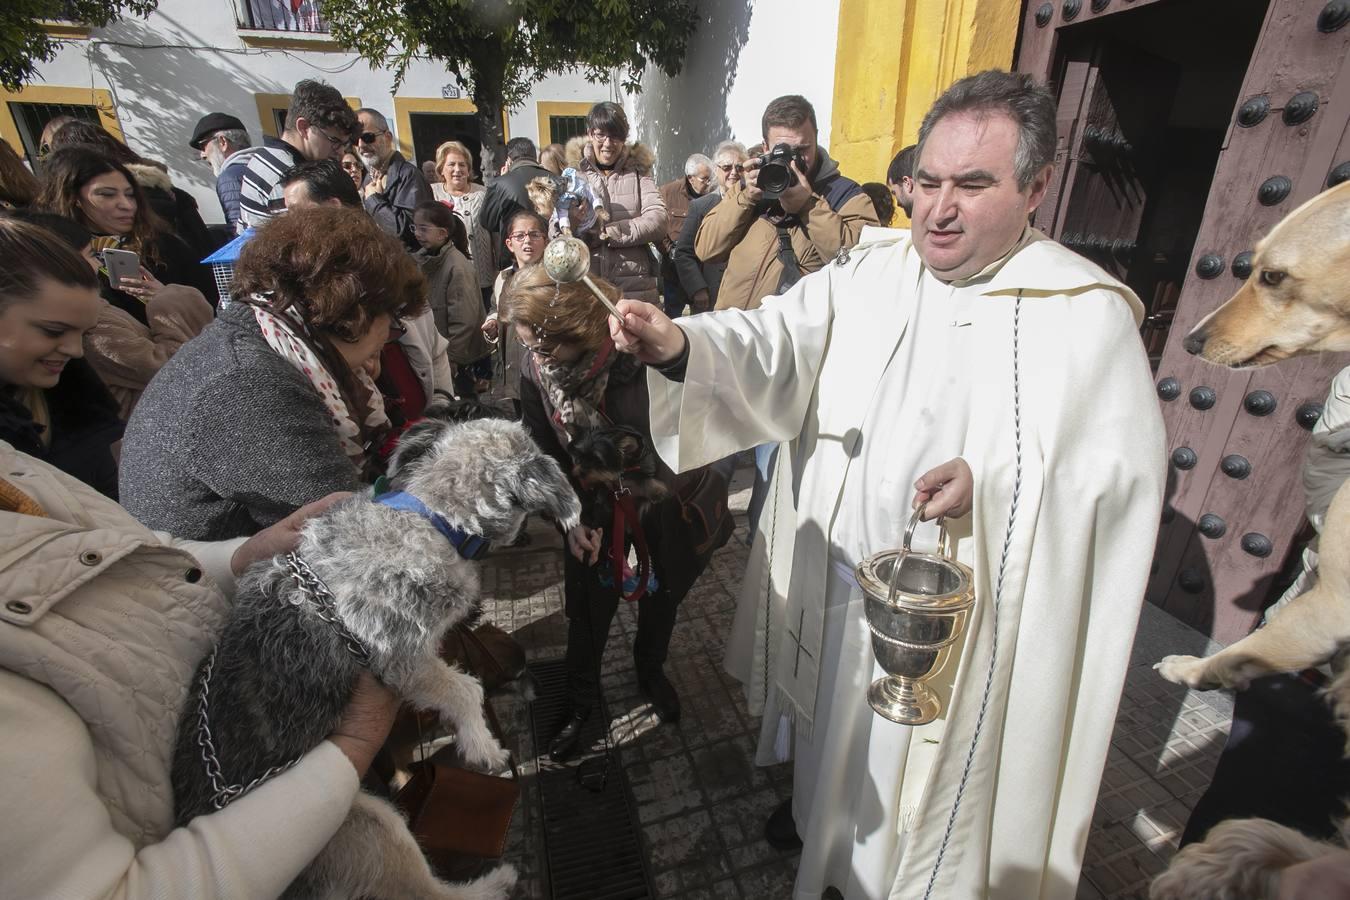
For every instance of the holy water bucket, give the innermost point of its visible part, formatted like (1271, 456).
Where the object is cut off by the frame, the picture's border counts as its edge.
(917, 604)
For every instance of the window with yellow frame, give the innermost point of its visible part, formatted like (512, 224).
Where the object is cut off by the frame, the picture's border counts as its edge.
(24, 113)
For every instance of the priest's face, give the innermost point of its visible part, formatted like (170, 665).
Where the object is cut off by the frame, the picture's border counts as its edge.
(968, 208)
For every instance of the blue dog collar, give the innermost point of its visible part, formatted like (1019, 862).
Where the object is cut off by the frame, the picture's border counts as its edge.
(470, 546)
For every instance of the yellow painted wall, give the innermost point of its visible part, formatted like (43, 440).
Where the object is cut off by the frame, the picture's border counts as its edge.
(893, 59)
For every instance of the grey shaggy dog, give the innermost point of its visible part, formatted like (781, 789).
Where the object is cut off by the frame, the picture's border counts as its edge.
(282, 676)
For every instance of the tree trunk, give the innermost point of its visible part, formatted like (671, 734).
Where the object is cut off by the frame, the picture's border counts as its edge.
(493, 153)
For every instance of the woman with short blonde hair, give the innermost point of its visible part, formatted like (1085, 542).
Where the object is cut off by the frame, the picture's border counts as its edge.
(454, 162)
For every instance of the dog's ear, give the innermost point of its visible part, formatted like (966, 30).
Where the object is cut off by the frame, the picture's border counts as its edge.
(630, 443)
(415, 443)
(541, 486)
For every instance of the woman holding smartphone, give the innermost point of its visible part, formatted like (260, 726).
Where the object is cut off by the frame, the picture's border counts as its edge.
(103, 196)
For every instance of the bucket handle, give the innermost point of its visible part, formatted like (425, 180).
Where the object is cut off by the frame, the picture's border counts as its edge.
(944, 547)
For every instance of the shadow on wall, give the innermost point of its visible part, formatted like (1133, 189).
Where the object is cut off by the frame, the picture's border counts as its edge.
(160, 94)
(688, 114)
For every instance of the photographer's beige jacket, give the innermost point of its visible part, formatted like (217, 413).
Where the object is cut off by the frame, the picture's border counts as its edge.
(801, 370)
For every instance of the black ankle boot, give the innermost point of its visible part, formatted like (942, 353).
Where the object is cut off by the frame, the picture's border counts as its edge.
(565, 743)
(657, 688)
(781, 830)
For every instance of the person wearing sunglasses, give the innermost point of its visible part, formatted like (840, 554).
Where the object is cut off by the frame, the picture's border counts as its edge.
(319, 125)
(393, 187)
(700, 279)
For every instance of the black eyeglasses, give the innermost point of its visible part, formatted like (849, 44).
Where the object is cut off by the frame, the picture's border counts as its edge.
(523, 235)
(369, 137)
(728, 168)
(397, 329)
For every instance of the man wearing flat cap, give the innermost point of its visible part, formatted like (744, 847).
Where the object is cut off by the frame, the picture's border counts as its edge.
(222, 141)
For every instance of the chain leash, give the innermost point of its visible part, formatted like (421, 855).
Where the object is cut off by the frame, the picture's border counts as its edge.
(322, 604)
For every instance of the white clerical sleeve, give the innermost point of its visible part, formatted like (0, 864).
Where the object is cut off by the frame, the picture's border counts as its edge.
(750, 377)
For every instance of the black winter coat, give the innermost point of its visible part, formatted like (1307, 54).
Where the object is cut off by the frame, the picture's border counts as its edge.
(84, 426)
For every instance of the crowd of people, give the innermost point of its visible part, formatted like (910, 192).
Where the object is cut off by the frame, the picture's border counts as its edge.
(158, 434)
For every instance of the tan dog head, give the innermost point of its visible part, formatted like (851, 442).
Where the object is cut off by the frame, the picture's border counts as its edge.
(1297, 299)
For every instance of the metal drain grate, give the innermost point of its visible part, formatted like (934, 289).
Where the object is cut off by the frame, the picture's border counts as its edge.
(591, 843)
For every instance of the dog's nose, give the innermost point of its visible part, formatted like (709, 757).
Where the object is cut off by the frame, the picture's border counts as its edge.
(1194, 342)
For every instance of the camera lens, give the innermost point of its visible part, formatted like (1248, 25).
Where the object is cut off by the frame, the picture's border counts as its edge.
(773, 179)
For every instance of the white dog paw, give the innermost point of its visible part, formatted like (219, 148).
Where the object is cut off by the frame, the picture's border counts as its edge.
(484, 751)
(495, 885)
(1186, 670)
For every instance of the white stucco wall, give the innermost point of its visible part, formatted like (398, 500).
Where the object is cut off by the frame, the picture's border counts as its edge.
(744, 54)
(160, 92)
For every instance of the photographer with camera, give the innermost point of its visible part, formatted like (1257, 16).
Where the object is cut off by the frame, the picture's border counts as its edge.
(793, 213)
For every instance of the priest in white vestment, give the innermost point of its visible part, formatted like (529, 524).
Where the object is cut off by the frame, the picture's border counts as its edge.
(977, 349)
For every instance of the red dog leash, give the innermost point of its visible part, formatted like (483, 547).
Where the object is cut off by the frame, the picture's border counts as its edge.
(626, 509)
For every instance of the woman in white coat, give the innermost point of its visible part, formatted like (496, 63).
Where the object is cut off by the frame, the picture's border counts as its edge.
(103, 626)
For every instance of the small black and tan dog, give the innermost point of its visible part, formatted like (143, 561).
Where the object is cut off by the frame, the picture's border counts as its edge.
(608, 459)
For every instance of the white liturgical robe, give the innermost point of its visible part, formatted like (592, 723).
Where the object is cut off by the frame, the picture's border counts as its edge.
(872, 371)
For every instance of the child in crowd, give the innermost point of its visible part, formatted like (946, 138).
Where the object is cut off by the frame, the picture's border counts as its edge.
(452, 289)
(526, 235)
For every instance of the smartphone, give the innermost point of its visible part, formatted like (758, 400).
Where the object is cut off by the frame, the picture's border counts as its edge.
(121, 264)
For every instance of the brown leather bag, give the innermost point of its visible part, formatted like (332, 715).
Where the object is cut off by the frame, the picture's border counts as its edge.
(485, 652)
(455, 812)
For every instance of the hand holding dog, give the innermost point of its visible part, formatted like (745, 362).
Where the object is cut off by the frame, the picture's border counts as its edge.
(366, 721)
(283, 537)
(647, 333)
(948, 490)
(584, 543)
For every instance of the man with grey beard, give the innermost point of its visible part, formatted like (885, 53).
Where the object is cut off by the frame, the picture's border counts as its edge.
(393, 187)
(222, 141)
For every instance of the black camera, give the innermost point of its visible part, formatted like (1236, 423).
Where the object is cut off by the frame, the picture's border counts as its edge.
(775, 176)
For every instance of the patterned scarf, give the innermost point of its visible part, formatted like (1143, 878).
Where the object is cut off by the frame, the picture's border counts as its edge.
(285, 332)
(576, 390)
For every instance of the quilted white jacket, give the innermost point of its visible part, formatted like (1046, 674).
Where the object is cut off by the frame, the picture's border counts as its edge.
(102, 624)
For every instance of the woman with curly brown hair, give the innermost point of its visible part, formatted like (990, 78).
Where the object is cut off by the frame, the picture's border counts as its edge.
(81, 183)
(173, 205)
(274, 404)
(578, 396)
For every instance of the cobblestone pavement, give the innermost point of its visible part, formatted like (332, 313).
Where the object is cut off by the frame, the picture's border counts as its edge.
(700, 801)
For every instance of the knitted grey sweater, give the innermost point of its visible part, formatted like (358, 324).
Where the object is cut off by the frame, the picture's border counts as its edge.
(229, 438)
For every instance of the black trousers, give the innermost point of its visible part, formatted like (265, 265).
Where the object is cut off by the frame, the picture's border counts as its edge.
(1283, 761)
(590, 609)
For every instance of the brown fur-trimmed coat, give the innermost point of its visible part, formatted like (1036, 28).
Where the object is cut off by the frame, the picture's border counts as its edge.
(620, 247)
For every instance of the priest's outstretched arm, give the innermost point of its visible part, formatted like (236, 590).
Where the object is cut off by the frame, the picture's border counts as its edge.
(748, 378)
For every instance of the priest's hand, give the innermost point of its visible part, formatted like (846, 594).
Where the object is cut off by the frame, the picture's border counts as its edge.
(647, 333)
(948, 490)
